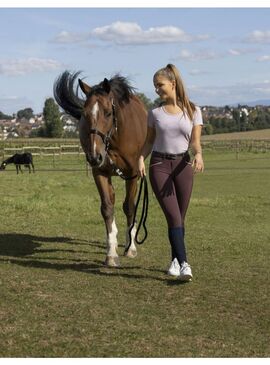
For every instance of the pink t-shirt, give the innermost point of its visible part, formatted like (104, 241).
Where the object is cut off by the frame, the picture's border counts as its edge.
(173, 131)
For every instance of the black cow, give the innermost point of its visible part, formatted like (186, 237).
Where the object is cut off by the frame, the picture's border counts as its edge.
(18, 159)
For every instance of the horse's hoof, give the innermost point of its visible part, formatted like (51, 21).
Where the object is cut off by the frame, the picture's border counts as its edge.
(112, 261)
(131, 254)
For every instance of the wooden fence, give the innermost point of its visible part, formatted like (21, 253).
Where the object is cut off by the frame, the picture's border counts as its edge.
(43, 151)
(60, 149)
(238, 145)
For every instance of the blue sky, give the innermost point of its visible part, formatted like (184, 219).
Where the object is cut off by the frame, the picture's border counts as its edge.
(223, 54)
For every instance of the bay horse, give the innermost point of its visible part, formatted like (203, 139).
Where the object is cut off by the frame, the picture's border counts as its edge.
(112, 131)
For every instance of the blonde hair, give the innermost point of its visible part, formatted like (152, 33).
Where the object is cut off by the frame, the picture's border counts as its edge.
(172, 74)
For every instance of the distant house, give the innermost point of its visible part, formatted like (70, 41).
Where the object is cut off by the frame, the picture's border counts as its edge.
(3, 134)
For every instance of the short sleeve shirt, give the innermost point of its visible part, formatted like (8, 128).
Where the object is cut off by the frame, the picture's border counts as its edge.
(173, 131)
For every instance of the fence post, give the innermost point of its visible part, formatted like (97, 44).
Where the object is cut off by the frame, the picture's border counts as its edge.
(237, 150)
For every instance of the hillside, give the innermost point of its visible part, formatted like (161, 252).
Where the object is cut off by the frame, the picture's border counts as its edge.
(261, 134)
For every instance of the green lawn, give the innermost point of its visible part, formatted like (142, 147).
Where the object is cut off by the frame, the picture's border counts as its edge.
(58, 300)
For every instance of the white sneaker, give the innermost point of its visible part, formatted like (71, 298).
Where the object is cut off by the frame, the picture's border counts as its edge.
(174, 269)
(185, 272)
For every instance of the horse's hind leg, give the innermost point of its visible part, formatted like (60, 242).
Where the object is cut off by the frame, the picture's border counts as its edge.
(106, 193)
(129, 207)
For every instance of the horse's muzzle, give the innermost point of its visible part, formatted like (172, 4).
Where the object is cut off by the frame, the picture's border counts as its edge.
(96, 161)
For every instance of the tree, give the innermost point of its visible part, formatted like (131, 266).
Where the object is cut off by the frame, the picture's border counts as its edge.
(53, 123)
(261, 121)
(147, 102)
(157, 102)
(208, 129)
(236, 117)
(5, 116)
(243, 122)
(26, 113)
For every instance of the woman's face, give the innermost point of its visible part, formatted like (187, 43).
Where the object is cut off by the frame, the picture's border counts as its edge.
(164, 88)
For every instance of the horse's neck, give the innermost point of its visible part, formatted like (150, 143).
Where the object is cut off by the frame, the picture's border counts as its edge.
(9, 160)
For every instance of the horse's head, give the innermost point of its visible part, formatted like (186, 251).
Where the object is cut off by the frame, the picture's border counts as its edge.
(3, 165)
(98, 121)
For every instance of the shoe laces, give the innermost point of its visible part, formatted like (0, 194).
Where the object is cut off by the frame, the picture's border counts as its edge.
(184, 265)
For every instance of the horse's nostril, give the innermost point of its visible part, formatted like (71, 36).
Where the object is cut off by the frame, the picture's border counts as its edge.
(96, 160)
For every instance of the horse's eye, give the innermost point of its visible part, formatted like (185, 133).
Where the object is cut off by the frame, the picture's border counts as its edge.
(108, 114)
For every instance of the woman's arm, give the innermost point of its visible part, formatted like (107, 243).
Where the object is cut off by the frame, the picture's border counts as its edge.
(197, 148)
(146, 150)
(150, 138)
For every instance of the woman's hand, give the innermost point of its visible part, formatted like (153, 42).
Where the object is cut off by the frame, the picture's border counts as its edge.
(141, 167)
(197, 163)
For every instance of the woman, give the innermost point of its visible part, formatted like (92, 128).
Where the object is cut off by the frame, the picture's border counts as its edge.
(173, 128)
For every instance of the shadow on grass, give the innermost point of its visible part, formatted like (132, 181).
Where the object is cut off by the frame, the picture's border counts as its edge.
(18, 247)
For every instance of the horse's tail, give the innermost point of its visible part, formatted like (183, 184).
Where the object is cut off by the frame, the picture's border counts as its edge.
(67, 96)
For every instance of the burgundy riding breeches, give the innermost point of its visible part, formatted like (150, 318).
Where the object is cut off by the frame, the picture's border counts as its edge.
(172, 181)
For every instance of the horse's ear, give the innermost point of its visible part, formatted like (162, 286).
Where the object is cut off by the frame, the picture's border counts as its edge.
(84, 87)
(106, 85)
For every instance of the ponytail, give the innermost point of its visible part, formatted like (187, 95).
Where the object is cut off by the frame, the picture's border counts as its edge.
(172, 74)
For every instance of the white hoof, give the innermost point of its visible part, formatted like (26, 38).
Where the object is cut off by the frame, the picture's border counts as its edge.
(112, 261)
(131, 254)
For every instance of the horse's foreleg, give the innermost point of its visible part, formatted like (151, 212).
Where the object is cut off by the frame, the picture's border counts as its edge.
(129, 207)
(107, 210)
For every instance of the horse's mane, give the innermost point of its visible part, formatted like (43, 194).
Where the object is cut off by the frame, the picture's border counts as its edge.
(69, 98)
(120, 87)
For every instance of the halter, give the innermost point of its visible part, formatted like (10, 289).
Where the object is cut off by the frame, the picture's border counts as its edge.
(107, 137)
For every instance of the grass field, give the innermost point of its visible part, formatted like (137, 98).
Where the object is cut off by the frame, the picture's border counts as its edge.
(58, 300)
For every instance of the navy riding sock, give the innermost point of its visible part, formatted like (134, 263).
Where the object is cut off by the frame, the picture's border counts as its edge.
(172, 248)
(176, 237)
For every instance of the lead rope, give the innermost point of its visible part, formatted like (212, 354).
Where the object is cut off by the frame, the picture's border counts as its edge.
(143, 214)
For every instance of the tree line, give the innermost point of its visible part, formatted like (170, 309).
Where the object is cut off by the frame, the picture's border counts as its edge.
(216, 119)
(238, 119)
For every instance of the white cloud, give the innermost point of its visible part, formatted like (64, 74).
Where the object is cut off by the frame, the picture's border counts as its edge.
(230, 94)
(263, 87)
(259, 36)
(263, 58)
(10, 104)
(196, 72)
(198, 56)
(65, 37)
(234, 52)
(241, 51)
(18, 67)
(126, 33)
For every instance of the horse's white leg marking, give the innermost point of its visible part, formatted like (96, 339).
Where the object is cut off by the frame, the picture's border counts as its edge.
(112, 241)
(132, 252)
